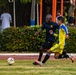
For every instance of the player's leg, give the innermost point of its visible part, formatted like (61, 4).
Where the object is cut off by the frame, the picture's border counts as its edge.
(71, 58)
(49, 45)
(40, 55)
(56, 55)
(63, 55)
(42, 48)
(52, 49)
(45, 59)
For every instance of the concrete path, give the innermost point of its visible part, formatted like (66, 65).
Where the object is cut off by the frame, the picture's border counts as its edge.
(24, 56)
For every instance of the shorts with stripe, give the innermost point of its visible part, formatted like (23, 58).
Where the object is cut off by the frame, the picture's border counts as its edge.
(57, 49)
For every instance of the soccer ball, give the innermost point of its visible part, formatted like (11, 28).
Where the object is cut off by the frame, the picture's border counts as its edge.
(10, 61)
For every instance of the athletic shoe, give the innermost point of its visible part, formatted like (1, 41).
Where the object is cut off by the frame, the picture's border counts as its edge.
(39, 63)
(34, 63)
(72, 59)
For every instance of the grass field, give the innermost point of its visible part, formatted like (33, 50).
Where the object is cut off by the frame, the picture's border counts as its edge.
(25, 67)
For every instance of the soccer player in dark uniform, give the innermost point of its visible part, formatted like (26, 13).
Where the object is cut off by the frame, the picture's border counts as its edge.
(58, 47)
(48, 25)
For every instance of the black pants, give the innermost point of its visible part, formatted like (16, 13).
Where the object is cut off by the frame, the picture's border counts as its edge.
(47, 45)
(63, 55)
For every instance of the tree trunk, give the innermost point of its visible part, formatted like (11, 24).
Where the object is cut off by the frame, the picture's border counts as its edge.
(32, 22)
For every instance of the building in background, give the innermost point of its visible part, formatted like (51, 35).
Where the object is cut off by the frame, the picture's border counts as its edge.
(23, 10)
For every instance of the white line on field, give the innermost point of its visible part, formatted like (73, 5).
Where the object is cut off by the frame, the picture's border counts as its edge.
(30, 54)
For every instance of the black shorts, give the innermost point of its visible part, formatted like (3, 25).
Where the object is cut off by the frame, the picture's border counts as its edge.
(47, 45)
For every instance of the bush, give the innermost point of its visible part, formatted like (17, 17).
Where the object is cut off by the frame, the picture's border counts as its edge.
(23, 40)
(71, 42)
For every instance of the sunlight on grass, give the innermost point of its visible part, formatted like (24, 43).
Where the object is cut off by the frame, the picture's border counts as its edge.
(25, 67)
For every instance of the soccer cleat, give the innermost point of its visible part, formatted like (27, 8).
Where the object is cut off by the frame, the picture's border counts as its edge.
(34, 63)
(39, 63)
(72, 59)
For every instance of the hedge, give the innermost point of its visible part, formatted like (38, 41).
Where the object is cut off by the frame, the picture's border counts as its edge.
(23, 40)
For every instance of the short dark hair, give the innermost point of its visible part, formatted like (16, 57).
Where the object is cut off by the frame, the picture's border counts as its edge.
(61, 18)
(48, 16)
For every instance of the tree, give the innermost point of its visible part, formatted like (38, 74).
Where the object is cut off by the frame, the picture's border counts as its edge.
(25, 1)
(32, 21)
(3, 3)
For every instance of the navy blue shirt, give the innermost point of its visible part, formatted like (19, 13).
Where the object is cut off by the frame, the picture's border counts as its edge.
(50, 26)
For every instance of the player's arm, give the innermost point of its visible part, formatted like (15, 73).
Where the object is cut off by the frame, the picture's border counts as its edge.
(57, 27)
(67, 33)
(41, 29)
(10, 18)
(52, 33)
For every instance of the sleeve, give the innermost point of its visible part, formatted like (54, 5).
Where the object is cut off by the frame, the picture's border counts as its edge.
(66, 31)
(54, 34)
(43, 26)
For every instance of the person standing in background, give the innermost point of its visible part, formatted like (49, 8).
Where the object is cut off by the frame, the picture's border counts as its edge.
(72, 9)
(6, 19)
(58, 15)
(75, 12)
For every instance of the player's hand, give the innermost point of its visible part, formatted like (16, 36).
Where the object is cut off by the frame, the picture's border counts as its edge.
(67, 36)
(51, 32)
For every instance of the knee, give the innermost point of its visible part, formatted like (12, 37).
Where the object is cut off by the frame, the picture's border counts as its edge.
(49, 51)
(41, 49)
(56, 55)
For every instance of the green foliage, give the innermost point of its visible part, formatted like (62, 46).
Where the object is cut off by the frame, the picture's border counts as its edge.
(71, 42)
(23, 39)
(26, 1)
(3, 3)
(25, 67)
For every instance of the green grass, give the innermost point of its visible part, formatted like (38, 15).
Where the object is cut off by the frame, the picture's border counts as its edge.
(25, 67)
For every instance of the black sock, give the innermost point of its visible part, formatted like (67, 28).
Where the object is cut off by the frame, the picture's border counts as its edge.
(67, 56)
(46, 57)
(40, 56)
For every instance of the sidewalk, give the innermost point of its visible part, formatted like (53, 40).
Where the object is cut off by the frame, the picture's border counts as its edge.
(31, 54)
(24, 56)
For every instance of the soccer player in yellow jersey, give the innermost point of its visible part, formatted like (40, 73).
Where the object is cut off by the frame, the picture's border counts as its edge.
(57, 48)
